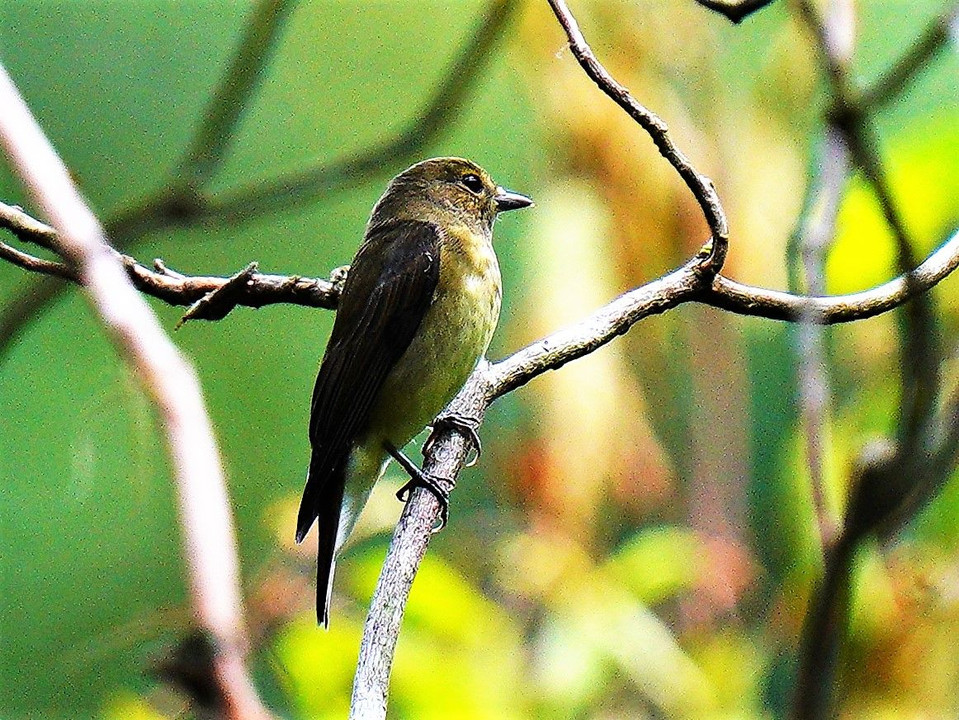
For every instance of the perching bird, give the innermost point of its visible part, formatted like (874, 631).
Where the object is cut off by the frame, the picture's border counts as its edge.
(417, 311)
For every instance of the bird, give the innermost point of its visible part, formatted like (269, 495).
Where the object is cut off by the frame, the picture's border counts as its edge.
(416, 313)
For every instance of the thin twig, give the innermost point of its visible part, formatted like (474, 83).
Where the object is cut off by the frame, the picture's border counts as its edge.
(210, 547)
(38, 265)
(701, 186)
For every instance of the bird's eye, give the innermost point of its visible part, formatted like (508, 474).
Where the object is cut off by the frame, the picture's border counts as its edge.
(472, 183)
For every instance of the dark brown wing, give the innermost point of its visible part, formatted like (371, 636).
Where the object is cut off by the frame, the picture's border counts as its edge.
(388, 290)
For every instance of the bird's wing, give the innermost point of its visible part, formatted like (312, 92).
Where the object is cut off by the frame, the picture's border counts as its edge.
(387, 292)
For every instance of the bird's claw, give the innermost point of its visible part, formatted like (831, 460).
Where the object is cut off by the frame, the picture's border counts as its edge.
(469, 426)
(418, 478)
(428, 482)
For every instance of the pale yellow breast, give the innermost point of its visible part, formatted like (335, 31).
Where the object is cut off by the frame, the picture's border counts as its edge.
(454, 334)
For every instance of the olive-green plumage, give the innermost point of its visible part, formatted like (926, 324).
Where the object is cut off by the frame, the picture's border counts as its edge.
(417, 312)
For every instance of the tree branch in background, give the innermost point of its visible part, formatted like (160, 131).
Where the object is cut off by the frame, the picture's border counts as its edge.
(168, 378)
(183, 202)
(892, 480)
(903, 71)
(218, 127)
(814, 236)
(735, 10)
(299, 188)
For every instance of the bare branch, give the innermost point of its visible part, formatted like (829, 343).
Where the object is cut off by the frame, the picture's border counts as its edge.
(168, 378)
(35, 264)
(775, 305)
(605, 324)
(444, 460)
(735, 10)
(256, 289)
(701, 186)
(726, 294)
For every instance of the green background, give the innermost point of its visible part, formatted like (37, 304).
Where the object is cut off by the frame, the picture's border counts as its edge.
(93, 589)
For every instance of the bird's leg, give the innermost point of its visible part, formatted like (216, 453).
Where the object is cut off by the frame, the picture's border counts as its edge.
(418, 478)
(465, 424)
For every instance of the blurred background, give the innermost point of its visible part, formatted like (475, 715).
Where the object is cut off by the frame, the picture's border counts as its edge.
(638, 539)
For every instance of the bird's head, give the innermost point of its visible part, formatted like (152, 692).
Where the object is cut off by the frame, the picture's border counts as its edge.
(448, 191)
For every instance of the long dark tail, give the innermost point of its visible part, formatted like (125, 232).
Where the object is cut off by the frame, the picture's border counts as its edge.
(327, 528)
(322, 501)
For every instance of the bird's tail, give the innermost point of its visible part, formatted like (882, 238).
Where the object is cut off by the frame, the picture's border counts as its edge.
(322, 501)
(327, 530)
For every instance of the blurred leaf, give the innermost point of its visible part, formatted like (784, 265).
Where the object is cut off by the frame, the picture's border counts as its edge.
(657, 563)
(317, 665)
(126, 706)
(923, 173)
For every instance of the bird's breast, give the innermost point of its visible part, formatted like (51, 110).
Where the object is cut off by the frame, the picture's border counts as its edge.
(455, 332)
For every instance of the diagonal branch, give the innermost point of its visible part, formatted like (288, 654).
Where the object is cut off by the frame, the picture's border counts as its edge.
(217, 130)
(299, 188)
(210, 548)
(913, 61)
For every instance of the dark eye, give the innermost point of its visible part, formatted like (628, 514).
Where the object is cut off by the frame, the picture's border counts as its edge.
(472, 183)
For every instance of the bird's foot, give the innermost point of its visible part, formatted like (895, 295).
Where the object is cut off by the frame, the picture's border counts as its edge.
(418, 478)
(468, 426)
(429, 483)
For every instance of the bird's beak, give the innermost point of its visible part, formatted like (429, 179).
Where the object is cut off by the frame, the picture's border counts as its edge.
(508, 200)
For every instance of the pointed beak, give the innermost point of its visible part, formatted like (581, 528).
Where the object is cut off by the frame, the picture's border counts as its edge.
(508, 200)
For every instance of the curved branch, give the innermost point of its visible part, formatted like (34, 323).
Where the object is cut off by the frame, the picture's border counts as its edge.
(210, 548)
(727, 294)
(701, 186)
